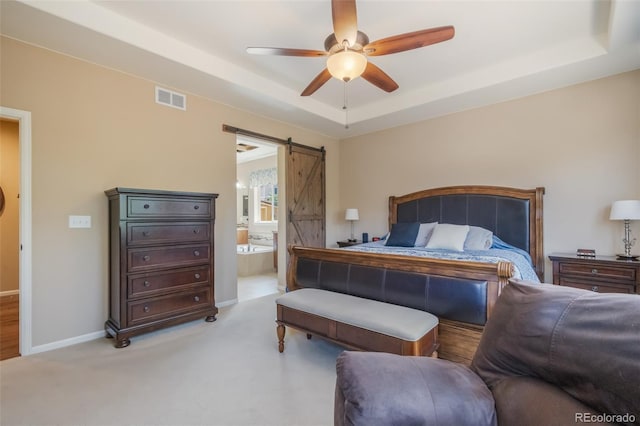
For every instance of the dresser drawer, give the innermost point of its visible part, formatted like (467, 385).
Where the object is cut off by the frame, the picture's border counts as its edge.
(605, 272)
(143, 259)
(160, 307)
(597, 286)
(145, 285)
(146, 207)
(158, 233)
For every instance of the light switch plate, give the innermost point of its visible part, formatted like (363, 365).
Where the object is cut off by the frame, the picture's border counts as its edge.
(79, 221)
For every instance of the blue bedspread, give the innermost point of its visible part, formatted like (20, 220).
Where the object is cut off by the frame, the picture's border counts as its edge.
(521, 265)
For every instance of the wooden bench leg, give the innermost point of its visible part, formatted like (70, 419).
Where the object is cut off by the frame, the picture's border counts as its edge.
(280, 330)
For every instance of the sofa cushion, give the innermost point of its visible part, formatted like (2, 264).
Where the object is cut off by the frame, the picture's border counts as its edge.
(374, 388)
(393, 320)
(585, 343)
(527, 401)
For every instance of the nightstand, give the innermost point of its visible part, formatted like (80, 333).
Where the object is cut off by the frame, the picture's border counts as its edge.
(604, 274)
(348, 243)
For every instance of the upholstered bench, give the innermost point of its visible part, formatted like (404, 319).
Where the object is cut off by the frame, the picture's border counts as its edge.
(357, 323)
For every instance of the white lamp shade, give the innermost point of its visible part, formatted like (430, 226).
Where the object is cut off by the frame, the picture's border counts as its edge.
(351, 214)
(346, 65)
(625, 209)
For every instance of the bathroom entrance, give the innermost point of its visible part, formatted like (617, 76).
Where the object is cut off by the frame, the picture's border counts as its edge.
(257, 214)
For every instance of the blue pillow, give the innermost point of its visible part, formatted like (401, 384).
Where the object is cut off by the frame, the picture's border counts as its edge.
(403, 234)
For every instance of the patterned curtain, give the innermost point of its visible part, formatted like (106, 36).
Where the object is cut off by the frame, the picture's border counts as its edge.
(263, 177)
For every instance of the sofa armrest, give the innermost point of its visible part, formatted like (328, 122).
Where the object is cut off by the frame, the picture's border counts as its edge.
(375, 388)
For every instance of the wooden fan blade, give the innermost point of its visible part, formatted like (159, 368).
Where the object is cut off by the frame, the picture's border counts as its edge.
(374, 75)
(345, 20)
(285, 52)
(409, 41)
(317, 82)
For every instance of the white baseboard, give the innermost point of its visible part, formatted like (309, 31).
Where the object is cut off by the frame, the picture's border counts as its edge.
(67, 342)
(92, 336)
(9, 293)
(226, 303)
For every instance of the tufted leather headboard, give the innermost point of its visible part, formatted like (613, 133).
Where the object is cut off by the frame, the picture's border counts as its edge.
(514, 215)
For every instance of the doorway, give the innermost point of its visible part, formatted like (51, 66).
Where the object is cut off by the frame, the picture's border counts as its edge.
(16, 266)
(9, 239)
(257, 217)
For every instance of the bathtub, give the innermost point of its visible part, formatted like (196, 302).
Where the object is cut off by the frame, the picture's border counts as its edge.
(253, 248)
(254, 259)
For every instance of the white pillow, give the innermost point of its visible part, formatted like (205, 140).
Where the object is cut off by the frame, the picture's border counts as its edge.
(478, 239)
(424, 233)
(448, 236)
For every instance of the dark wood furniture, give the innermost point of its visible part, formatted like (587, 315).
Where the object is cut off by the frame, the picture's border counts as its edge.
(515, 215)
(348, 243)
(161, 260)
(604, 274)
(383, 331)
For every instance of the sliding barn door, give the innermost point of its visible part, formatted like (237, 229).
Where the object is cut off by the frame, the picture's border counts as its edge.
(305, 197)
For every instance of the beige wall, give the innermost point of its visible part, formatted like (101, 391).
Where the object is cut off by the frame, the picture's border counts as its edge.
(9, 217)
(581, 143)
(94, 129)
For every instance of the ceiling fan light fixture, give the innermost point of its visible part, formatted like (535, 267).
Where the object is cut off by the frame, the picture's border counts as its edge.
(346, 65)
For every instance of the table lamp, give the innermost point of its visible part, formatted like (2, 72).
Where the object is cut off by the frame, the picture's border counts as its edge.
(352, 215)
(626, 210)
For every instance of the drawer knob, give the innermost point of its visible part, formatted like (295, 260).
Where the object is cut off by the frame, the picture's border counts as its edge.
(196, 207)
(196, 231)
(196, 253)
(146, 206)
(145, 233)
(595, 288)
(594, 271)
(197, 276)
(196, 298)
(146, 258)
(147, 283)
(146, 309)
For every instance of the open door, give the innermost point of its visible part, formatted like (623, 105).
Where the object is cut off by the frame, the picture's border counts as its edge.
(306, 204)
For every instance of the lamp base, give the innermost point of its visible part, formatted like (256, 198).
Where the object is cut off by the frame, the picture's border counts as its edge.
(629, 257)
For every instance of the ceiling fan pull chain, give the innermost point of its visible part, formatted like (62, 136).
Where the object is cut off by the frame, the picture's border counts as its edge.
(344, 107)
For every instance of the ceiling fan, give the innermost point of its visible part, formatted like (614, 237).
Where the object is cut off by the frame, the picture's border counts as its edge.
(347, 49)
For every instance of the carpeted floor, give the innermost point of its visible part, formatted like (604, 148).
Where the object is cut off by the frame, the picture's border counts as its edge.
(224, 373)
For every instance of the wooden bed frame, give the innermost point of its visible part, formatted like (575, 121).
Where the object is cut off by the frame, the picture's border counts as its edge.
(458, 339)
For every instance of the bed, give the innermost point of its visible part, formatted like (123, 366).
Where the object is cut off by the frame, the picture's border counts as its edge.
(460, 287)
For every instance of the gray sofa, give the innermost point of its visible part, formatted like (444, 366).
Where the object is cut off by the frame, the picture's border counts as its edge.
(549, 355)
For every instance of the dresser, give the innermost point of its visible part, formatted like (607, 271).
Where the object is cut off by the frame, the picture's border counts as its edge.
(161, 260)
(603, 274)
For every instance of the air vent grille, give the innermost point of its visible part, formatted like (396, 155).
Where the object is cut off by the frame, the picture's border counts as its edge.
(171, 99)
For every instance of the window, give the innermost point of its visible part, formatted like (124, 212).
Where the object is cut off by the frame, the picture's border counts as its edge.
(264, 183)
(267, 202)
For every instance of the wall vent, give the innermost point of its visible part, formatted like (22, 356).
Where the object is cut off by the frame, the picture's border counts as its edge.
(171, 99)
